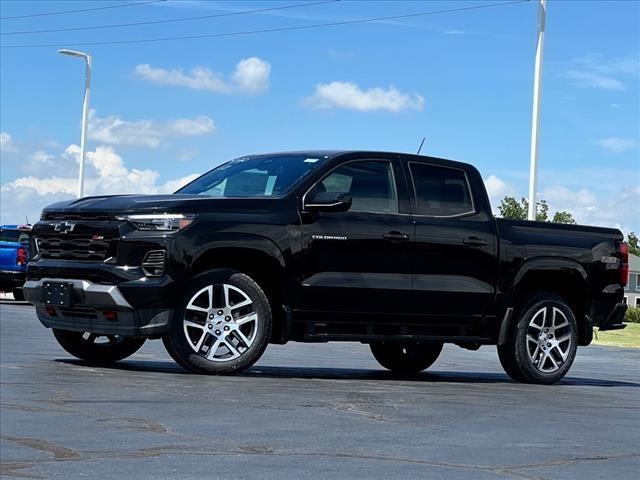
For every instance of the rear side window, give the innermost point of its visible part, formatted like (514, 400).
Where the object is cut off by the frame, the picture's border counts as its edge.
(440, 191)
(370, 183)
(14, 236)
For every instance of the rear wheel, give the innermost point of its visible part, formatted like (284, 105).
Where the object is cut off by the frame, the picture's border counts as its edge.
(542, 345)
(406, 358)
(97, 348)
(224, 326)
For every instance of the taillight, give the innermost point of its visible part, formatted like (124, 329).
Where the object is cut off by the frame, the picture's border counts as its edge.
(623, 250)
(21, 256)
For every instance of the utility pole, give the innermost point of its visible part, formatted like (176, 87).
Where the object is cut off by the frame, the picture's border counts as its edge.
(85, 112)
(535, 121)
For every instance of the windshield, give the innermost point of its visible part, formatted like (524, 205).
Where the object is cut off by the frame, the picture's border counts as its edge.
(260, 176)
(14, 236)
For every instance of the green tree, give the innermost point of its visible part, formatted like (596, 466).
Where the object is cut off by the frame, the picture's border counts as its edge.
(563, 217)
(632, 240)
(542, 211)
(510, 208)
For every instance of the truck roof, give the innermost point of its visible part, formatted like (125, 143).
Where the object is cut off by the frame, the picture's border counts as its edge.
(373, 153)
(15, 227)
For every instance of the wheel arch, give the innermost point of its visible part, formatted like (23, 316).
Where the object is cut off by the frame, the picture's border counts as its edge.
(259, 258)
(563, 277)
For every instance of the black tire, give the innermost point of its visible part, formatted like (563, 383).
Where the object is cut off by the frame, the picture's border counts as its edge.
(525, 354)
(18, 295)
(406, 358)
(210, 338)
(91, 348)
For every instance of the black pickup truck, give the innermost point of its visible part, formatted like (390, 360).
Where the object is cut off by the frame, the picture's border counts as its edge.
(397, 251)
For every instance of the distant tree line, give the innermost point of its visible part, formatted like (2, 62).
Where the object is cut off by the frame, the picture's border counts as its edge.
(512, 209)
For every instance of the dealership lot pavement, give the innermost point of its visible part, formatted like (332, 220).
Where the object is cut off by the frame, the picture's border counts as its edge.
(314, 411)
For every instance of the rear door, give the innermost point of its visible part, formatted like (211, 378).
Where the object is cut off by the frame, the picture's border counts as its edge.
(455, 265)
(357, 261)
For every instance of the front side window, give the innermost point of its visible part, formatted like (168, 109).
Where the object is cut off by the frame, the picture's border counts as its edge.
(370, 184)
(259, 176)
(441, 191)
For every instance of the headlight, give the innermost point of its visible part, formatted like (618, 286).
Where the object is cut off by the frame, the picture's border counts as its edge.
(162, 222)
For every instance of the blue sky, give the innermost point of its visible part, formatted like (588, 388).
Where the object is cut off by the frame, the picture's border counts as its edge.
(164, 111)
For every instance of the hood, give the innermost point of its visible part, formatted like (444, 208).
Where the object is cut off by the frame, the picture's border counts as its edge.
(174, 203)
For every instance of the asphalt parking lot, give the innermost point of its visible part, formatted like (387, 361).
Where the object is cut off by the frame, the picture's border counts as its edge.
(309, 411)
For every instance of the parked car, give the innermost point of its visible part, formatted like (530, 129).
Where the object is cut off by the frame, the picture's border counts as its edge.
(397, 251)
(14, 256)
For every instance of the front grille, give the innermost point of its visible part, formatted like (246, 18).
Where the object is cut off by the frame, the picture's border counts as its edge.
(91, 248)
(78, 216)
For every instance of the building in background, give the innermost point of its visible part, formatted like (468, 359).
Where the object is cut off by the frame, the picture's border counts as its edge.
(632, 290)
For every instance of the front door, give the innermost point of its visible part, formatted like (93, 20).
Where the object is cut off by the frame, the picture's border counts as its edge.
(357, 261)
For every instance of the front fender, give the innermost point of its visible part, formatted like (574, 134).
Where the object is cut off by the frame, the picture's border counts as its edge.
(223, 240)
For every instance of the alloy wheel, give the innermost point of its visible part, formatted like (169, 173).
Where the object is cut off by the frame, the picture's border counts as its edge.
(220, 322)
(548, 339)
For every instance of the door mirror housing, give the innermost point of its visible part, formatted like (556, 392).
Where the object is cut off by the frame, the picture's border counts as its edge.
(329, 202)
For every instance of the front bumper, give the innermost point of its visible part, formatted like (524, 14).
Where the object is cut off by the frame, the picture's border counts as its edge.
(90, 302)
(11, 279)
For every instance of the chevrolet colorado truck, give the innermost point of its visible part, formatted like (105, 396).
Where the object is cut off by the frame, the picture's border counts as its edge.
(397, 251)
(14, 256)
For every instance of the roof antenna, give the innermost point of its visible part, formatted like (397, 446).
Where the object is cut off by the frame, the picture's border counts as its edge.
(421, 144)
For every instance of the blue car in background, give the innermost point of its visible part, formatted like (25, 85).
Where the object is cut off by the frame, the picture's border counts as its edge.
(14, 256)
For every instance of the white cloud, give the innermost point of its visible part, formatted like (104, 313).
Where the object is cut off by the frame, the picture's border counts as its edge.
(497, 189)
(594, 80)
(607, 73)
(589, 208)
(617, 144)
(6, 143)
(113, 130)
(350, 96)
(251, 75)
(339, 54)
(107, 174)
(38, 161)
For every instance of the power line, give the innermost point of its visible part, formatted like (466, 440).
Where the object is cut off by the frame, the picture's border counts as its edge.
(267, 30)
(64, 12)
(170, 20)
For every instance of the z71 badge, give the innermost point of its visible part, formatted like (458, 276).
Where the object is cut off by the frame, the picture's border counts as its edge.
(609, 260)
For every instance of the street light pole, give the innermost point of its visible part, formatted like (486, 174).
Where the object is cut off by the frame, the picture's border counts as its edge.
(85, 112)
(535, 121)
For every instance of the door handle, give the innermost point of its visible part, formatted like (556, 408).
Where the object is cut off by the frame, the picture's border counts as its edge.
(475, 241)
(396, 236)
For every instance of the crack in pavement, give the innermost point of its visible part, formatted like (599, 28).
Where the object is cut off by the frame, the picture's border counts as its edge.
(64, 454)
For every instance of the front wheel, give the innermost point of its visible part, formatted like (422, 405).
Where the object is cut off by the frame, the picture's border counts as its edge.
(99, 349)
(223, 326)
(542, 345)
(406, 358)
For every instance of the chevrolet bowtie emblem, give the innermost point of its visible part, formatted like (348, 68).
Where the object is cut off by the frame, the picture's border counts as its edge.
(65, 227)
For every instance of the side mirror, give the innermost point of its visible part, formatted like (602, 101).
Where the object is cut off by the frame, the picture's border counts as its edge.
(329, 202)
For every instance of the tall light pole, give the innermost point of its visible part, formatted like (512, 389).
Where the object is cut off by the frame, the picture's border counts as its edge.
(535, 121)
(85, 112)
